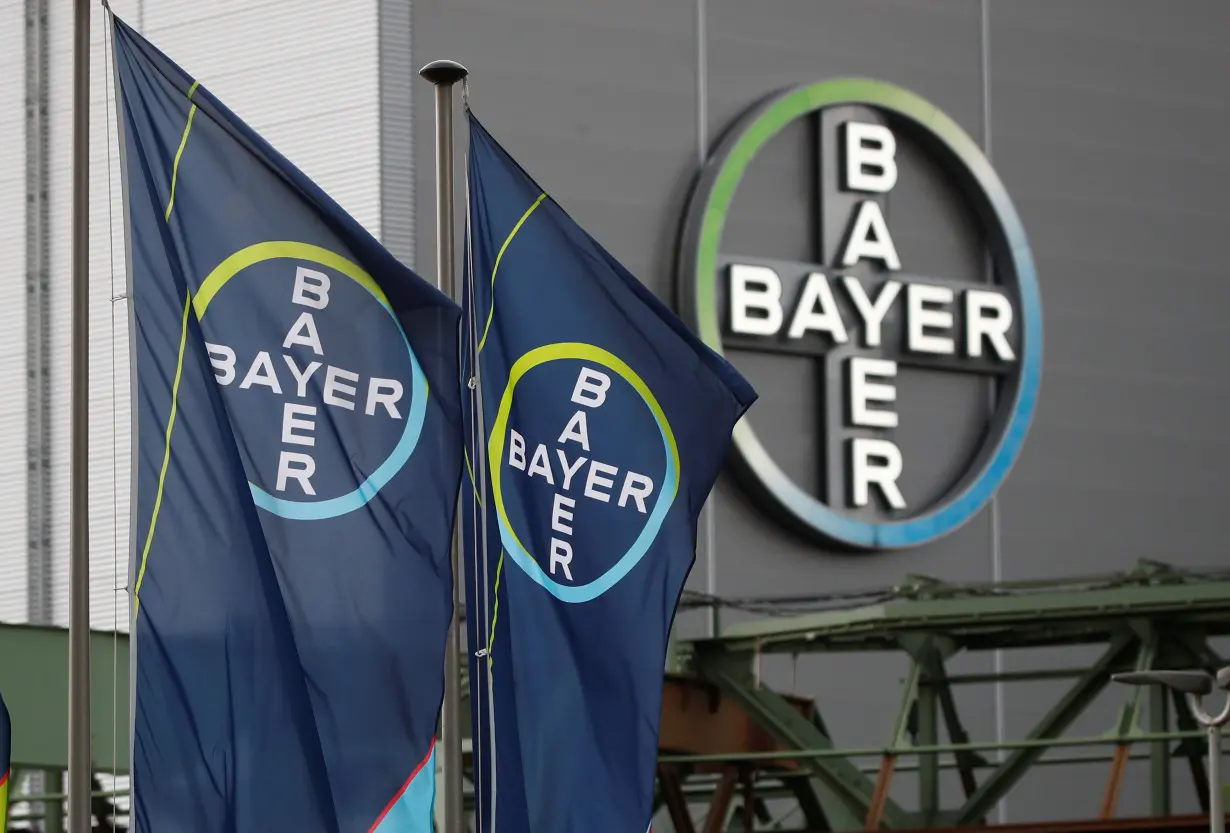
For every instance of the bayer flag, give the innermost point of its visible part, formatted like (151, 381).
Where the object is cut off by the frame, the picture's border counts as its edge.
(605, 422)
(298, 453)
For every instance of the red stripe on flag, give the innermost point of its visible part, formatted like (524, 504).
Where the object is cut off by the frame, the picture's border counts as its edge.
(403, 789)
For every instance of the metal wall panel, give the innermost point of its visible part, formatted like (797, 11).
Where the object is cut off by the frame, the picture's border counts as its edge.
(398, 78)
(1110, 123)
(12, 313)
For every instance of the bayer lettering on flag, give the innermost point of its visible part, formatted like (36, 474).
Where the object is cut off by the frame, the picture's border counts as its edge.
(605, 423)
(298, 452)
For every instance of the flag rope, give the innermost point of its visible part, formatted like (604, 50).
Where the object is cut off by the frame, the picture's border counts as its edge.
(116, 587)
(479, 542)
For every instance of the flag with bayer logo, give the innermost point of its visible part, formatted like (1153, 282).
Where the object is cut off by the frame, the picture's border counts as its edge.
(298, 451)
(598, 425)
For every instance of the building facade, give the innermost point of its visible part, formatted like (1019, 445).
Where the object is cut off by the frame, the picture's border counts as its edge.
(1103, 120)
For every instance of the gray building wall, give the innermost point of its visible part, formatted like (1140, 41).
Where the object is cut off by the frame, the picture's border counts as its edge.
(1107, 121)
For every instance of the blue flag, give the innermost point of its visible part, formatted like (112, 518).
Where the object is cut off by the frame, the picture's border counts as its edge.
(298, 453)
(604, 423)
(6, 756)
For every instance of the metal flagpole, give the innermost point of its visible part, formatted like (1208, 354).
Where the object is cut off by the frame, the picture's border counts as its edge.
(444, 74)
(79, 759)
(1217, 812)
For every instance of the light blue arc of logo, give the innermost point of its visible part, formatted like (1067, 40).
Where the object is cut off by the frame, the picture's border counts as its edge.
(386, 471)
(576, 594)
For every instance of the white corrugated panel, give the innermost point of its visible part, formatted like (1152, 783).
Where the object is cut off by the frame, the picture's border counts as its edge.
(12, 313)
(300, 72)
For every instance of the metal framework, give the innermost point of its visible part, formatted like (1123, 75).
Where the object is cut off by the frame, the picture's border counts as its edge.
(737, 755)
(1152, 616)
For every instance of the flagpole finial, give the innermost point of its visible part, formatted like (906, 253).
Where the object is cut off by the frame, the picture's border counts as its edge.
(444, 72)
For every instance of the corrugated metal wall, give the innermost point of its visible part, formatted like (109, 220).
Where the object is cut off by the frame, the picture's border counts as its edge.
(12, 313)
(398, 80)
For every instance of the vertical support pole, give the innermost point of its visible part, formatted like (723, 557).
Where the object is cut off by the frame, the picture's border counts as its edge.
(53, 811)
(708, 523)
(1129, 716)
(444, 74)
(928, 762)
(884, 780)
(1217, 811)
(1114, 782)
(1191, 750)
(1159, 753)
(884, 783)
(749, 800)
(79, 760)
(676, 803)
(719, 807)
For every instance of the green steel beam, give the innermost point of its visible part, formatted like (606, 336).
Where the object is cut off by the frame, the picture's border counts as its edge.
(1041, 744)
(927, 734)
(1196, 646)
(805, 788)
(909, 695)
(1159, 751)
(804, 792)
(1194, 752)
(34, 679)
(1031, 676)
(1062, 616)
(1127, 726)
(1128, 722)
(842, 790)
(1049, 728)
(967, 760)
(933, 697)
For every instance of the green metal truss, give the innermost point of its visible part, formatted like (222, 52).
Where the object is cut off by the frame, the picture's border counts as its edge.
(1152, 616)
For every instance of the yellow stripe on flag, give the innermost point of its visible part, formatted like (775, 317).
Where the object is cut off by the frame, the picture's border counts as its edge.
(4, 800)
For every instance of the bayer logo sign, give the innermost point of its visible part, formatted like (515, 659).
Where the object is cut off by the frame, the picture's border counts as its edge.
(913, 377)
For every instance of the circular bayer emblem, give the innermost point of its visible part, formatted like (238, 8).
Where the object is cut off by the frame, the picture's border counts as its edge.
(326, 398)
(899, 358)
(579, 494)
